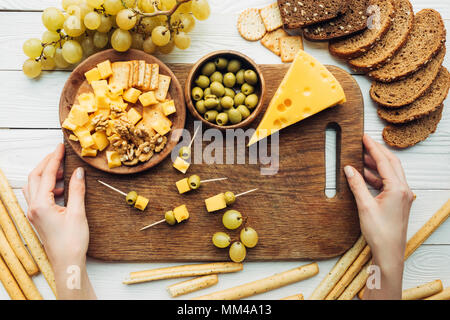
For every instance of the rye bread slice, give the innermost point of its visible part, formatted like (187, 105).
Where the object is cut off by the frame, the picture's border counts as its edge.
(410, 133)
(300, 13)
(400, 93)
(423, 106)
(352, 21)
(358, 44)
(424, 41)
(391, 42)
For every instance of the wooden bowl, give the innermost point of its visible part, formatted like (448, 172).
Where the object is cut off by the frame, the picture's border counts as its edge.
(77, 84)
(247, 63)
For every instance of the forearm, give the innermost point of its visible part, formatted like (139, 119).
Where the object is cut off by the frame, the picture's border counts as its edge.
(72, 282)
(390, 279)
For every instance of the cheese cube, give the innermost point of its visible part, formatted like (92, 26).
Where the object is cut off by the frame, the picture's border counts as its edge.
(100, 88)
(132, 95)
(215, 203)
(141, 203)
(88, 152)
(181, 213)
(148, 98)
(69, 125)
(100, 139)
(87, 102)
(183, 185)
(86, 141)
(89, 126)
(169, 107)
(104, 68)
(92, 75)
(113, 159)
(156, 120)
(134, 116)
(181, 165)
(78, 115)
(114, 91)
(73, 137)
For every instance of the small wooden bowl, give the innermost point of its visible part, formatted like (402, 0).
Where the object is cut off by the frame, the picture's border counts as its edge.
(77, 84)
(247, 63)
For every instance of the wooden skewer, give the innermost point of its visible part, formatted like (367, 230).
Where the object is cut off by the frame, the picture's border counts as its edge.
(193, 137)
(112, 188)
(212, 180)
(153, 224)
(241, 194)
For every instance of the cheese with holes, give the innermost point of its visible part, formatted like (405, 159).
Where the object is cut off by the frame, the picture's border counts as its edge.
(113, 158)
(181, 213)
(307, 88)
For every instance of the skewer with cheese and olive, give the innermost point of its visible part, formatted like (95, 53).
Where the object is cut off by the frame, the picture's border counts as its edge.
(222, 200)
(180, 162)
(172, 217)
(193, 183)
(132, 197)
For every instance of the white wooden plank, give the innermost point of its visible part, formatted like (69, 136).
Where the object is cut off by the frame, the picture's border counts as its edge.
(28, 5)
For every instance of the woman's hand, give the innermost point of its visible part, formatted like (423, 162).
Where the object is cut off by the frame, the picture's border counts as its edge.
(63, 230)
(384, 218)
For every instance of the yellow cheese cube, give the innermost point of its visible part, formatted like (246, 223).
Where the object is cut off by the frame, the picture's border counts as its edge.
(181, 213)
(181, 165)
(156, 120)
(148, 98)
(113, 159)
(132, 95)
(134, 116)
(100, 139)
(88, 152)
(87, 102)
(78, 115)
(100, 88)
(104, 68)
(92, 75)
(118, 103)
(89, 126)
(216, 202)
(67, 124)
(73, 137)
(183, 185)
(114, 91)
(86, 141)
(103, 112)
(141, 203)
(169, 107)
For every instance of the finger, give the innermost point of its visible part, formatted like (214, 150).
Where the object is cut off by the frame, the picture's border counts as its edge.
(369, 162)
(26, 194)
(60, 174)
(395, 162)
(359, 188)
(373, 179)
(48, 178)
(77, 189)
(34, 177)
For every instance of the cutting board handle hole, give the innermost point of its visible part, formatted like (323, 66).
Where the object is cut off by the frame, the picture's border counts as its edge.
(332, 159)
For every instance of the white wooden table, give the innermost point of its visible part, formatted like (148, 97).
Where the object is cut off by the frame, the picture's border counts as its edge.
(29, 129)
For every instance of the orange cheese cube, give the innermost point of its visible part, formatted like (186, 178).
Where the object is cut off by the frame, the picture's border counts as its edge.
(169, 107)
(134, 116)
(100, 88)
(141, 203)
(73, 137)
(67, 124)
(114, 91)
(78, 115)
(88, 152)
(85, 137)
(148, 98)
(104, 68)
(181, 213)
(183, 185)
(132, 95)
(92, 75)
(87, 102)
(156, 120)
(215, 203)
(100, 139)
(113, 159)
(181, 165)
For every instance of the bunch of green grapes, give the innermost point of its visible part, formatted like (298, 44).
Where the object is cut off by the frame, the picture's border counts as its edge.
(84, 27)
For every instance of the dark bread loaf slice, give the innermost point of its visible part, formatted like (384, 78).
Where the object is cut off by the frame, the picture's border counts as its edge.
(424, 41)
(358, 44)
(300, 13)
(391, 42)
(408, 134)
(400, 93)
(423, 106)
(352, 21)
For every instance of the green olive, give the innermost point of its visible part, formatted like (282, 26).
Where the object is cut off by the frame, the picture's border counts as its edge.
(207, 92)
(222, 119)
(197, 93)
(131, 197)
(208, 69)
(221, 63)
(247, 89)
(227, 102)
(240, 77)
(170, 217)
(217, 89)
(219, 108)
(194, 182)
(202, 81)
(230, 92)
(250, 77)
(230, 198)
(216, 76)
(211, 101)
(211, 115)
(200, 106)
(239, 99)
(185, 152)
(234, 116)
(234, 66)
(229, 80)
(251, 101)
(244, 111)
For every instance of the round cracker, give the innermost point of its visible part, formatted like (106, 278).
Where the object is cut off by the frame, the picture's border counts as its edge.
(250, 25)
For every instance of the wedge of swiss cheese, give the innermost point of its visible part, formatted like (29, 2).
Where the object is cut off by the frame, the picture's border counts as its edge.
(307, 88)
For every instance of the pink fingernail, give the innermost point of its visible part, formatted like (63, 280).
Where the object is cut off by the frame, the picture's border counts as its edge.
(349, 171)
(80, 173)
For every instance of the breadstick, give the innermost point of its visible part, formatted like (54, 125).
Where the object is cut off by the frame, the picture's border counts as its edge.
(23, 225)
(191, 270)
(23, 279)
(348, 276)
(294, 297)
(16, 242)
(332, 278)
(357, 284)
(443, 295)
(260, 286)
(423, 291)
(10, 284)
(192, 285)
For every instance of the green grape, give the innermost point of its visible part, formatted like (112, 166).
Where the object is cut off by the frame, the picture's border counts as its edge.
(50, 36)
(32, 68)
(100, 39)
(126, 19)
(130, 3)
(137, 40)
(149, 23)
(112, 7)
(92, 20)
(160, 36)
(87, 44)
(221, 239)
(72, 51)
(67, 3)
(187, 21)
(32, 48)
(74, 10)
(48, 63)
(168, 4)
(168, 48)
(146, 6)
(182, 40)
(200, 9)
(121, 40)
(232, 219)
(84, 9)
(148, 46)
(249, 237)
(97, 4)
(73, 26)
(49, 51)
(185, 7)
(237, 252)
(60, 62)
(53, 19)
(106, 23)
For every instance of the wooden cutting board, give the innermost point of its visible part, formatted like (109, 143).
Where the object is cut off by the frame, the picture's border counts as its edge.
(290, 211)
